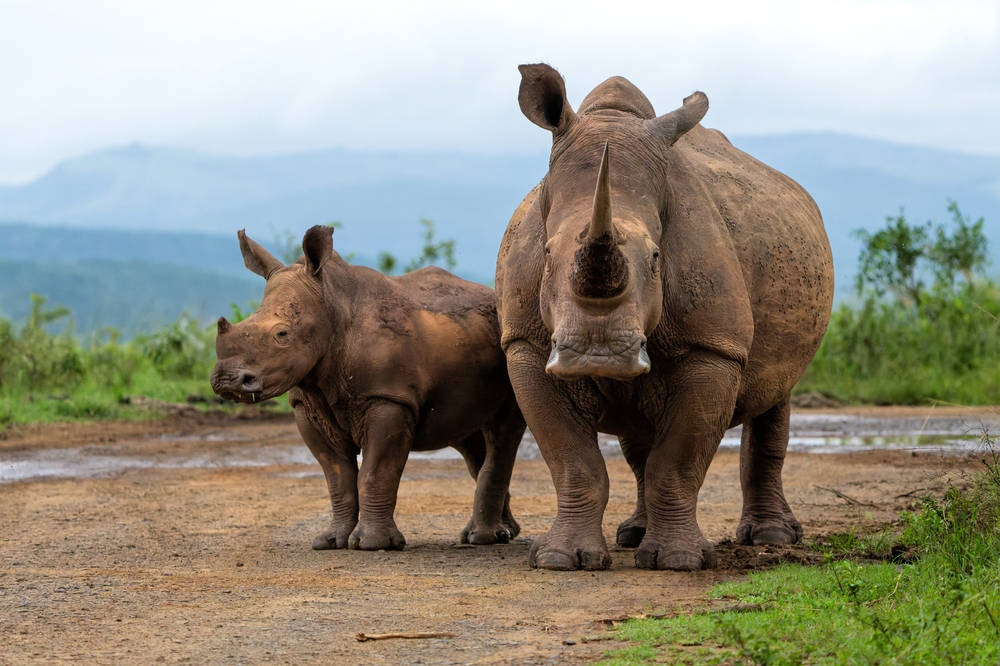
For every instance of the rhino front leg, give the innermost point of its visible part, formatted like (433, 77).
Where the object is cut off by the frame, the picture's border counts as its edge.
(569, 445)
(338, 456)
(492, 520)
(688, 436)
(633, 529)
(766, 517)
(388, 435)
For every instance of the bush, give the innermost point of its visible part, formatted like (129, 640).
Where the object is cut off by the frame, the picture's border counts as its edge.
(904, 342)
(946, 349)
(182, 350)
(35, 359)
(48, 376)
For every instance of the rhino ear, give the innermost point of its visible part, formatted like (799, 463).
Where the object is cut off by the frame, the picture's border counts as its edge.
(256, 258)
(542, 98)
(317, 246)
(677, 123)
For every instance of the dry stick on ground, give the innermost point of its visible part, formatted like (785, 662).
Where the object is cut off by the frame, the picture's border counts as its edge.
(847, 498)
(406, 634)
(910, 494)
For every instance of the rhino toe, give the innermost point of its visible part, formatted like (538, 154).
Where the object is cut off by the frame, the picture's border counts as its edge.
(586, 556)
(486, 536)
(769, 533)
(388, 538)
(333, 539)
(668, 557)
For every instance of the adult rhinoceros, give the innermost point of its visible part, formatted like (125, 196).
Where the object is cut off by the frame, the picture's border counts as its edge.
(661, 286)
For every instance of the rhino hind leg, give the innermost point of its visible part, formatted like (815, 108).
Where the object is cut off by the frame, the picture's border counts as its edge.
(489, 455)
(767, 518)
(632, 530)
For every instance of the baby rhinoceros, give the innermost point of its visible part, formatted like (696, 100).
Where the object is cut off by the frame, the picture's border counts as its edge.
(379, 366)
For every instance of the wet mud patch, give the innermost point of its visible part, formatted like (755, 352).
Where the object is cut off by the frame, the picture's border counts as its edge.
(739, 559)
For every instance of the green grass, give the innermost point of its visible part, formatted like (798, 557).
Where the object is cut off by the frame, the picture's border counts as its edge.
(942, 608)
(46, 376)
(946, 348)
(89, 401)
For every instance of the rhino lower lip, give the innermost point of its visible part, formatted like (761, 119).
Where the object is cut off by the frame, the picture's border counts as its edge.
(568, 362)
(243, 396)
(251, 396)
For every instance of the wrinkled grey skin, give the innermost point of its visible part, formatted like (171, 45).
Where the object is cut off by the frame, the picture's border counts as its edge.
(662, 286)
(379, 366)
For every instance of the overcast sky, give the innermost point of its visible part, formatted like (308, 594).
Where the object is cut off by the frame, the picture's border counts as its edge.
(264, 77)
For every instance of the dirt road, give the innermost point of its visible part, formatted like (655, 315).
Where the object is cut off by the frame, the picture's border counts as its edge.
(203, 564)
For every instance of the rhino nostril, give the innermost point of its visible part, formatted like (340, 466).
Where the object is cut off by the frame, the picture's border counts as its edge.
(248, 380)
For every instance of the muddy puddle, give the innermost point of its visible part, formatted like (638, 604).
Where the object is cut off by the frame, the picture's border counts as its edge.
(810, 432)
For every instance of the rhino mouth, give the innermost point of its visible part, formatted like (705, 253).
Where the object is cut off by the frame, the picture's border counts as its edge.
(574, 357)
(245, 396)
(239, 386)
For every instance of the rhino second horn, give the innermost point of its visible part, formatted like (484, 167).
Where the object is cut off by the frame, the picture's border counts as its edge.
(602, 222)
(224, 326)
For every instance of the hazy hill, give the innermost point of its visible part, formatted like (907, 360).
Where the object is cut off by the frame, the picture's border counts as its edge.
(130, 296)
(182, 207)
(209, 252)
(378, 196)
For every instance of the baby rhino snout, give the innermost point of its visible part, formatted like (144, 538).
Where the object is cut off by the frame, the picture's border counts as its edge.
(235, 383)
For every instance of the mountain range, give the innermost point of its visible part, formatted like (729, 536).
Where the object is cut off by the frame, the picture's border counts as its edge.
(181, 208)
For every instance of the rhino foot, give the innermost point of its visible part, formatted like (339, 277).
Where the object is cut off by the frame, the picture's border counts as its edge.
(753, 533)
(484, 536)
(589, 554)
(333, 539)
(376, 538)
(630, 533)
(675, 556)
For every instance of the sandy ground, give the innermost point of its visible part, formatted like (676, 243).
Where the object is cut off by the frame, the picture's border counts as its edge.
(196, 565)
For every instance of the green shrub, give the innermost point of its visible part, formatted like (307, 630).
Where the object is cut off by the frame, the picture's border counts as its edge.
(47, 376)
(904, 342)
(947, 349)
(182, 350)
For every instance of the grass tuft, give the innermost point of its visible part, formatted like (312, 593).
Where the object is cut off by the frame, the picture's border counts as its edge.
(943, 608)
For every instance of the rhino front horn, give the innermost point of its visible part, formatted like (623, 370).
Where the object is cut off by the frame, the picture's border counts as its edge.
(224, 326)
(600, 270)
(602, 222)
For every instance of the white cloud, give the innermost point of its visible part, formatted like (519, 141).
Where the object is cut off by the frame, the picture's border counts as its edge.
(252, 77)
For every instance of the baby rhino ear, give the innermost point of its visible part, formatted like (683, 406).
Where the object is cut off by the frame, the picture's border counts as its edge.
(256, 258)
(317, 246)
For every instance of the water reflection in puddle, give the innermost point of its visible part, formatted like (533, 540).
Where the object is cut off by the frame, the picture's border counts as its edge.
(816, 433)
